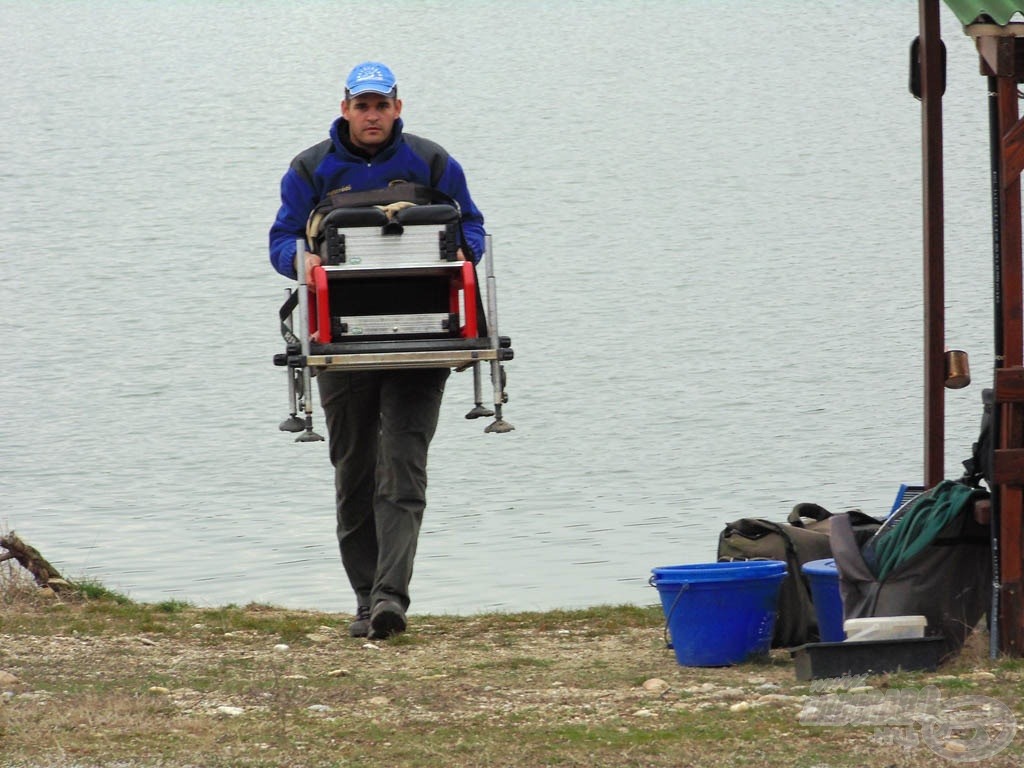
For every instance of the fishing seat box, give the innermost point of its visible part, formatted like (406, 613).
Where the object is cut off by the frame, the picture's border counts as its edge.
(392, 277)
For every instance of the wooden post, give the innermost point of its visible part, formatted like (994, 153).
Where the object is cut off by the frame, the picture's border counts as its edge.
(1011, 495)
(1001, 49)
(931, 65)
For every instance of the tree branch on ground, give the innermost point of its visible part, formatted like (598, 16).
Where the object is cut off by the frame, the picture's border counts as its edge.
(28, 557)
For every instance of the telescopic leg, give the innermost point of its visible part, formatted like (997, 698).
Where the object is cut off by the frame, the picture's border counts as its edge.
(497, 373)
(308, 436)
(478, 397)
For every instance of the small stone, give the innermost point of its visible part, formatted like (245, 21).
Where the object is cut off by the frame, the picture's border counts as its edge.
(378, 701)
(732, 693)
(338, 673)
(981, 676)
(159, 689)
(955, 746)
(739, 706)
(643, 713)
(371, 647)
(147, 641)
(6, 678)
(281, 648)
(655, 685)
(861, 689)
(781, 698)
(318, 708)
(230, 711)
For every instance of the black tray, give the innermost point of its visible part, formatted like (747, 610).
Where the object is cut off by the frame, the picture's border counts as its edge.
(815, 661)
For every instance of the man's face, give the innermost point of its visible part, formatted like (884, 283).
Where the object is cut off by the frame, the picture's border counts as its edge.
(371, 117)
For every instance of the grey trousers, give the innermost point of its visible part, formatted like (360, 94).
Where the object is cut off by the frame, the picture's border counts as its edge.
(380, 424)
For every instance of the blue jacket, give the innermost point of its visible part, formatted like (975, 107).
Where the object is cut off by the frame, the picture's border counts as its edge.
(331, 166)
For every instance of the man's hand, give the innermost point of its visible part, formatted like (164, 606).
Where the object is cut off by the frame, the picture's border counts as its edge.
(312, 260)
(459, 255)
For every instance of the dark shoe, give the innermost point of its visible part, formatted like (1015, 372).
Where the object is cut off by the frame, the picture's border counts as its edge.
(361, 626)
(387, 620)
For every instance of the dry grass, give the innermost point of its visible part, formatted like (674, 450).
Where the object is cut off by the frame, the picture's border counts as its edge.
(106, 682)
(17, 588)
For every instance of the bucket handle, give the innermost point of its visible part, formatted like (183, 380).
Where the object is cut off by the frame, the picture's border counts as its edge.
(668, 617)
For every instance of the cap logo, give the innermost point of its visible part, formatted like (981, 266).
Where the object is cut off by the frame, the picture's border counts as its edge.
(369, 73)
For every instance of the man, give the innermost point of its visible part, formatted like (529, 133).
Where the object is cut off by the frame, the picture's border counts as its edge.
(380, 423)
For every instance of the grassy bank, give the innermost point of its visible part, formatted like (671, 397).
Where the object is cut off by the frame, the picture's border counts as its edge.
(103, 681)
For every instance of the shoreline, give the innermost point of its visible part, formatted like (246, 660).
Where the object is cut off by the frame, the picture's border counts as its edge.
(102, 683)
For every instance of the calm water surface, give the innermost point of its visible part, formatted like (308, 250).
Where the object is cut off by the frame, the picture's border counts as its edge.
(707, 236)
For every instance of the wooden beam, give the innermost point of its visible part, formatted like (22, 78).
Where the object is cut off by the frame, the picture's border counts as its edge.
(934, 245)
(1011, 356)
(1010, 237)
(1008, 467)
(1009, 385)
(1008, 461)
(1011, 616)
(1013, 153)
(1001, 56)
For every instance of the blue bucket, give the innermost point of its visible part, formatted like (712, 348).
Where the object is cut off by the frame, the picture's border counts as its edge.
(719, 614)
(828, 602)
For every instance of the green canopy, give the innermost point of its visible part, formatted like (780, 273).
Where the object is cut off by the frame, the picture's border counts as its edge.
(999, 11)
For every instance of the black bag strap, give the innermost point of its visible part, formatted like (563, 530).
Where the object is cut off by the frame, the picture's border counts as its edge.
(757, 528)
(396, 192)
(809, 510)
(284, 312)
(859, 519)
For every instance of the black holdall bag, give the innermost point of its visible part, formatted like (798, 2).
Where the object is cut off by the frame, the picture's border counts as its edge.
(803, 538)
(947, 578)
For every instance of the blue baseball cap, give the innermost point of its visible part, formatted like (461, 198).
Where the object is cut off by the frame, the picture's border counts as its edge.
(370, 77)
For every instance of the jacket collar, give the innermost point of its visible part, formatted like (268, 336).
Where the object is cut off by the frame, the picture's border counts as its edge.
(344, 146)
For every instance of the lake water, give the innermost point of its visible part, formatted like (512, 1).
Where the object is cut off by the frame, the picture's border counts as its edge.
(707, 235)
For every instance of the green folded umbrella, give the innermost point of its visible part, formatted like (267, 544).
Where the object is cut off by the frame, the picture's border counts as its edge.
(921, 523)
